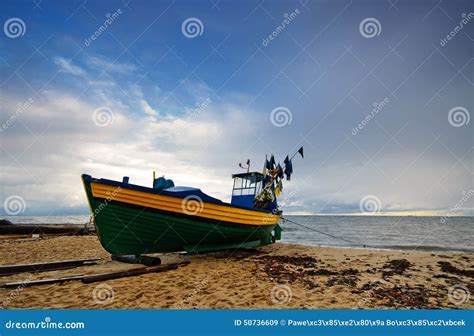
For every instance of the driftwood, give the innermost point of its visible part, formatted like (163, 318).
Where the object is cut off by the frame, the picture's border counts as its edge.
(137, 259)
(45, 229)
(47, 266)
(30, 283)
(98, 277)
(14, 237)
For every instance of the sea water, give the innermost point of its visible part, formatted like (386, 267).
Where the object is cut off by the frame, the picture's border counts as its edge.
(384, 232)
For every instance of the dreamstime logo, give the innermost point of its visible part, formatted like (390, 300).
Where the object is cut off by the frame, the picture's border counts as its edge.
(192, 27)
(17, 291)
(19, 111)
(109, 20)
(465, 19)
(377, 107)
(200, 108)
(110, 197)
(281, 116)
(192, 205)
(370, 204)
(370, 27)
(287, 19)
(103, 116)
(103, 294)
(465, 197)
(458, 294)
(14, 205)
(281, 294)
(14, 27)
(197, 288)
(459, 116)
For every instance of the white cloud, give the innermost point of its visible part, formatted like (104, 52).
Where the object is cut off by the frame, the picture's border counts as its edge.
(147, 108)
(56, 140)
(103, 64)
(67, 66)
(199, 150)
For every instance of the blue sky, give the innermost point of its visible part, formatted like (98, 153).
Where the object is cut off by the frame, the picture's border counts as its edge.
(147, 94)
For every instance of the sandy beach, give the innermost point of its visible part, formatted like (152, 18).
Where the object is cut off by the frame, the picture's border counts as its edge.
(274, 276)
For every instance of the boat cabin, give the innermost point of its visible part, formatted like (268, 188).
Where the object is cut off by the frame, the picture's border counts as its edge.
(246, 186)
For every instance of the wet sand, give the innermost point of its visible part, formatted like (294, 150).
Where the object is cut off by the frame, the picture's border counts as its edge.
(274, 276)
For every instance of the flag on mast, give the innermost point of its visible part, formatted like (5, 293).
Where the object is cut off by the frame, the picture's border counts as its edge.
(279, 171)
(288, 168)
(301, 152)
(272, 162)
(267, 163)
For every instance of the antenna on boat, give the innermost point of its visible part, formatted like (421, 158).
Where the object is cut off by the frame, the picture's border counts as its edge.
(248, 165)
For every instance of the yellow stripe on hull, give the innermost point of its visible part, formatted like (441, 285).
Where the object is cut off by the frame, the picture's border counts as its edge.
(178, 205)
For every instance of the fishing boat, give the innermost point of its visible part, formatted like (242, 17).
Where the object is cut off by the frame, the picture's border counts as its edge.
(133, 219)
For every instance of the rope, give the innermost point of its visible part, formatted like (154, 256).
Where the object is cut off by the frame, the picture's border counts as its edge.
(324, 233)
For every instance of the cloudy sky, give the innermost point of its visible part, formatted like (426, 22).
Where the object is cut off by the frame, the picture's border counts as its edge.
(377, 93)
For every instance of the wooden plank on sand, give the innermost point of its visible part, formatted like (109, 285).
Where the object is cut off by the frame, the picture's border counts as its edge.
(29, 283)
(98, 277)
(46, 266)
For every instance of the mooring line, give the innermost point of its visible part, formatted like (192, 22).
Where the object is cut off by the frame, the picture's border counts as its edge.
(324, 233)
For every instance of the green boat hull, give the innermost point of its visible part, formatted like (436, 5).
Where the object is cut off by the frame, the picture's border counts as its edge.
(128, 229)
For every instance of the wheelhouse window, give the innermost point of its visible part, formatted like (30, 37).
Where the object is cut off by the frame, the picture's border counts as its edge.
(247, 185)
